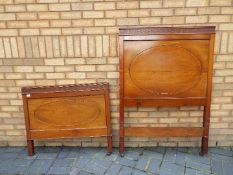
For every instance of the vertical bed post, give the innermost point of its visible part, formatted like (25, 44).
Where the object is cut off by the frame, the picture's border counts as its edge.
(108, 120)
(30, 143)
(206, 113)
(121, 139)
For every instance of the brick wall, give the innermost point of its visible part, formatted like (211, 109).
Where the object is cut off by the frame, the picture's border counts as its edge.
(48, 42)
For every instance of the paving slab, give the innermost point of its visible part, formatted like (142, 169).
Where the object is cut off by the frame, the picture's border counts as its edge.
(95, 168)
(142, 163)
(154, 166)
(59, 170)
(63, 162)
(113, 169)
(40, 166)
(82, 161)
(125, 161)
(126, 171)
(94, 161)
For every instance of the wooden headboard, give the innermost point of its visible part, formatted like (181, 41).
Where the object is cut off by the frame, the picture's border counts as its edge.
(166, 66)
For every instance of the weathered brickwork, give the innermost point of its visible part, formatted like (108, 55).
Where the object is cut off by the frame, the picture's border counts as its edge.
(48, 42)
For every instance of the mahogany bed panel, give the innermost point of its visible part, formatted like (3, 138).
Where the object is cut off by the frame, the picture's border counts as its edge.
(166, 66)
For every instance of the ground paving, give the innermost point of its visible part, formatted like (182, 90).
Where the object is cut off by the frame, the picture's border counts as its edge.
(136, 161)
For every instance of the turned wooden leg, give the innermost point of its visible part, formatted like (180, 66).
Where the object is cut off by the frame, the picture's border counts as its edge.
(206, 123)
(122, 147)
(109, 148)
(122, 130)
(30, 144)
(204, 146)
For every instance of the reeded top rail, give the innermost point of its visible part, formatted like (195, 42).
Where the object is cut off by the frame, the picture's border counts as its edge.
(166, 30)
(65, 88)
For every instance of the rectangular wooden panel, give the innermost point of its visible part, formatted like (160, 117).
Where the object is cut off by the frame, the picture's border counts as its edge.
(67, 112)
(176, 68)
(163, 132)
(48, 134)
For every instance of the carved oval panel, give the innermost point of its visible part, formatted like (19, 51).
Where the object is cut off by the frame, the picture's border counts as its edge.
(68, 112)
(165, 70)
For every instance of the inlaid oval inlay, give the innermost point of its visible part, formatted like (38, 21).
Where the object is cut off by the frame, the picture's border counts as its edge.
(165, 70)
(68, 112)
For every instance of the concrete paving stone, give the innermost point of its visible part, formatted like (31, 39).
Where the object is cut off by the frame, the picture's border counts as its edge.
(59, 170)
(112, 157)
(152, 154)
(168, 166)
(8, 155)
(74, 150)
(229, 160)
(94, 168)
(182, 149)
(102, 162)
(142, 163)
(75, 171)
(52, 149)
(137, 149)
(126, 162)
(69, 148)
(221, 157)
(89, 150)
(154, 165)
(24, 151)
(86, 161)
(13, 170)
(170, 150)
(216, 166)
(63, 162)
(132, 155)
(6, 162)
(160, 150)
(180, 159)
(14, 149)
(113, 169)
(3, 149)
(220, 151)
(202, 173)
(40, 166)
(81, 162)
(85, 173)
(47, 155)
(227, 148)
(25, 156)
(170, 157)
(82, 154)
(166, 172)
(126, 171)
(101, 154)
(64, 153)
(198, 166)
(22, 162)
(227, 168)
(138, 172)
(192, 150)
(189, 171)
(75, 155)
(198, 158)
